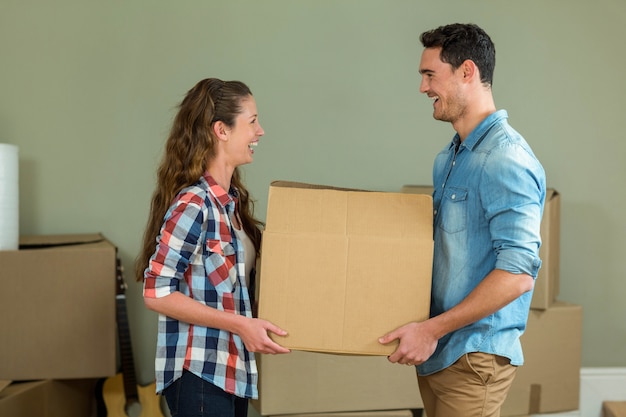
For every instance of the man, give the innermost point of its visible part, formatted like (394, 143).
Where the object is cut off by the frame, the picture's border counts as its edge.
(488, 201)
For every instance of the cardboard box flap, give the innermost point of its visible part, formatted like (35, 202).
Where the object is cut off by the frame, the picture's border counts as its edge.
(551, 193)
(46, 241)
(417, 189)
(295, 184)
(304, 207)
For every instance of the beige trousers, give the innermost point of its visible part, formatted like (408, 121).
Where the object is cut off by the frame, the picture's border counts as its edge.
(474, 386)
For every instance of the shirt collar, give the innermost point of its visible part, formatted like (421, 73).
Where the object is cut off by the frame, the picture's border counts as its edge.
(476, 135)
(220, 194)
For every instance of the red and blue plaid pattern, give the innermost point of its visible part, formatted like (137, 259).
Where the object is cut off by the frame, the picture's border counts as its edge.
(197, 254)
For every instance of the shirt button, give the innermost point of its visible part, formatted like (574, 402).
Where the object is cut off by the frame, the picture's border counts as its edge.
(435, 212)
(453, 196)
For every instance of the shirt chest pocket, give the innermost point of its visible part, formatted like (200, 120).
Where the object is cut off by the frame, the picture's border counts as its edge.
(219, 263)
(453, 210)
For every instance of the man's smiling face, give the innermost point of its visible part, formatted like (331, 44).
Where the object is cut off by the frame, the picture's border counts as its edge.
(440, 83)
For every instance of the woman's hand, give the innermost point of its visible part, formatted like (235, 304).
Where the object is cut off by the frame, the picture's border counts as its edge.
(255, 335)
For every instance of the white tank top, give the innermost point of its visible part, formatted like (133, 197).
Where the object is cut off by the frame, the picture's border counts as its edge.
(249, 253)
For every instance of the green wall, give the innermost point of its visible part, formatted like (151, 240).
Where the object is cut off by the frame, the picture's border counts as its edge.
(88, 90)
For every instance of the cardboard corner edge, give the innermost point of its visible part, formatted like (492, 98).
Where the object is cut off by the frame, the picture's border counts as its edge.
(27, 241)
(4, 383)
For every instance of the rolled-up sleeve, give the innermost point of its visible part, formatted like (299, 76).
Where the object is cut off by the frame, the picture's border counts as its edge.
(175, 245)
(513, 199)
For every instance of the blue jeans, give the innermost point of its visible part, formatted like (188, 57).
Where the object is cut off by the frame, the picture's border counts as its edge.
(191, 396)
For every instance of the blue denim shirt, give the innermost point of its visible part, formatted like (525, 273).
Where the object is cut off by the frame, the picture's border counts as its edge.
(488, 201)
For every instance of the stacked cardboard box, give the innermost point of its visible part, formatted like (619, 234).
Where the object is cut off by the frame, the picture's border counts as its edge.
(48, 398)
(614, 409)
(549, 381)
(58, 324)
(387, 413)
(312, 382)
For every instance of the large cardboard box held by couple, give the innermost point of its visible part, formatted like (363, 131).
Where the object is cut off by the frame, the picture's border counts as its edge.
(342, 267)
(547, 282)
(58, 308)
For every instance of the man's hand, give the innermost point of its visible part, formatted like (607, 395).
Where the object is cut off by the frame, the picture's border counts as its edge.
(417, 343)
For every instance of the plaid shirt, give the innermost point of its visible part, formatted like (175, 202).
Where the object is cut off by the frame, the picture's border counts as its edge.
(198, 254)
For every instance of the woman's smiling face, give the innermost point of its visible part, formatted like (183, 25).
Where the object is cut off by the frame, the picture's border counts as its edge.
(245, 134)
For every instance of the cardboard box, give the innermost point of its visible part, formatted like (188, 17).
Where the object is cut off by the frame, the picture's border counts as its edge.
(58, 308)
(547, 286)
(343, 267)
(311, 382)
(549, 380)
(547, 282)
(388, 413)
(48, 398)
(614, 409)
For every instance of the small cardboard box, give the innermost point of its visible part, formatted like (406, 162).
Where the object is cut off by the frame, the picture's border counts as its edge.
(547, 282)
(58, 308)
(343, 267)
(312, 382)
(549, 380)
(48, 398)
(614, 409)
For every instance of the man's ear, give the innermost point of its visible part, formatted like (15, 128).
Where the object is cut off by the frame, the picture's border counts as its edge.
(220, 130)
(469, 69)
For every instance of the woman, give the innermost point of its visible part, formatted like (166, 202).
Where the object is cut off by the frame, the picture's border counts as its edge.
(207, 240)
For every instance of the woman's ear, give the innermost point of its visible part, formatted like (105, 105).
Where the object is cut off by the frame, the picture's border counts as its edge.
(220, 130)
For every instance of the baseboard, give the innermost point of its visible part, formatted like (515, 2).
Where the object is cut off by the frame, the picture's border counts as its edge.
(598, 385)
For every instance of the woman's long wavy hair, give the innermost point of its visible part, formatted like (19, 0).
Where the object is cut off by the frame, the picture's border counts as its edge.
(189, 147)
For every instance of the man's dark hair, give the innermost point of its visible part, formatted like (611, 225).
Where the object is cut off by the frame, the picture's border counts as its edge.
(459, 42)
